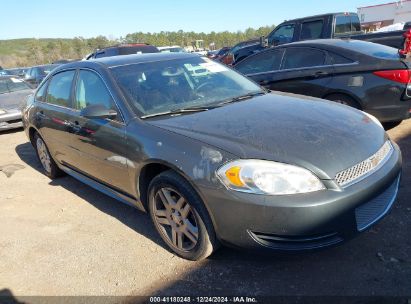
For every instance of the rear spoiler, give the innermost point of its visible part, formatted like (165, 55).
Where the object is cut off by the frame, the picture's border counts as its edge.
(407, 44)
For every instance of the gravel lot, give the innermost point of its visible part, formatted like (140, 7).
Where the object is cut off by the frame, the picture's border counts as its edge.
(63, 238)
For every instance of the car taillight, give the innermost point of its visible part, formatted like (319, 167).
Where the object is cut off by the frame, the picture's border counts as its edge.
(401, 76)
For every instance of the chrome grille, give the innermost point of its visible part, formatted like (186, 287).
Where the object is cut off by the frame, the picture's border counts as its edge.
(355, 173)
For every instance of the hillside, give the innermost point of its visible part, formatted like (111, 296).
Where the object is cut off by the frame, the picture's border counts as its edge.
(31, 51)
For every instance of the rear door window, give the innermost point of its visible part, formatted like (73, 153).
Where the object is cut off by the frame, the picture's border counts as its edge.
(346, 24)
(311, 30)
(338, 59)
(59, 90)
(302, 58)
(260, 63)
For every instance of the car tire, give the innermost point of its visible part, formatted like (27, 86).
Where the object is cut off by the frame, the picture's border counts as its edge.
(50, 167)
(180, 217)
(344, 99)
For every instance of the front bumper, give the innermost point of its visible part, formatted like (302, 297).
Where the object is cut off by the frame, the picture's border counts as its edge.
(10, 120)
(304, 221)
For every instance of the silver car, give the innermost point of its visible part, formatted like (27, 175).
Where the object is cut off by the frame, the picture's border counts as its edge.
(13, 93)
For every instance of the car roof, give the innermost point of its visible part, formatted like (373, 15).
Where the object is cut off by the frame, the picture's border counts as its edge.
(44, 65)
(344, 43)
(141, 58)
(334, 42)
(319, 16)
(8, 76)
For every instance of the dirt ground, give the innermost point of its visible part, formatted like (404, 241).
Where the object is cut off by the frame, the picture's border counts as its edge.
(63, 238)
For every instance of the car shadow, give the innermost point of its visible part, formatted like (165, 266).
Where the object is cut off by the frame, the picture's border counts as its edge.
(128, 215)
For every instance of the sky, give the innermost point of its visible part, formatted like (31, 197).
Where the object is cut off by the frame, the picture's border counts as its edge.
(117, 18)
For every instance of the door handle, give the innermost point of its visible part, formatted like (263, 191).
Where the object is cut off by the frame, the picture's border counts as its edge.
(320, 74)
(74, 126)
(40, 115)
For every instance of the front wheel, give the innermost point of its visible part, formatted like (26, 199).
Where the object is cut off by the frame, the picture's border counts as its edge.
(180, 217)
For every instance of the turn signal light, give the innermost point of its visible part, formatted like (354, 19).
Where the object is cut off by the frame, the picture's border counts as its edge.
(233, 175)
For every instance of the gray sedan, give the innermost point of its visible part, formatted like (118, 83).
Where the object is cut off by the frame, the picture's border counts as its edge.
(13, 94)
(211, 156)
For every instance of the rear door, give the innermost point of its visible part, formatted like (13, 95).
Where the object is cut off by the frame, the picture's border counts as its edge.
(312, 29)
(100, 143)
(53, 114)
(299, 70)
(304, 70)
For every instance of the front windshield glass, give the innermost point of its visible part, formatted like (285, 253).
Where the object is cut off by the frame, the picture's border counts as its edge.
(162, 86)
(12, 84)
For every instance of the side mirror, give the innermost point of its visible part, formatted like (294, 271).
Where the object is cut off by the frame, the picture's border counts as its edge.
(228, 59)
(98, 111)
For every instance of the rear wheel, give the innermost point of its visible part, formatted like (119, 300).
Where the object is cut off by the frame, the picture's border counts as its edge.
(344, 99)
(180, 217)
(49, 166)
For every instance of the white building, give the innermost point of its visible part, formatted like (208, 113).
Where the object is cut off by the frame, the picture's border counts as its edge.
(376, 16)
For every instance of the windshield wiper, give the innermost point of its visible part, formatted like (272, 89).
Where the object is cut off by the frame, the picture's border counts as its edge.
(241, 98)
(179, 111)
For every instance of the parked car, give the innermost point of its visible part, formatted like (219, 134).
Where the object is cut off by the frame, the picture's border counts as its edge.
(214, 159)
(171, 49)
(13, 94)
(4, 73)
(17, 71)
(232, 55)
(212, 54)
(364, 75)
(35, 75)
(220, 53)
(123, 49)
(335, 25)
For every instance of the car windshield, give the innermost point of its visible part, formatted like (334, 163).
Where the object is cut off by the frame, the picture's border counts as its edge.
(12, 84)
(171, 85)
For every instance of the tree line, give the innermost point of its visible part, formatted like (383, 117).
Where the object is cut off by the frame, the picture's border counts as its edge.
(29, 52)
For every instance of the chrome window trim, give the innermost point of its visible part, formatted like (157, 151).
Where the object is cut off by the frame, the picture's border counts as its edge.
(307, 68)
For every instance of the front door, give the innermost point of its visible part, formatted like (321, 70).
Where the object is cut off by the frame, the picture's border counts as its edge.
(100, 142)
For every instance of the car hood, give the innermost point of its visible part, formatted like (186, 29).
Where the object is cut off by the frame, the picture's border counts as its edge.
(14, 100)
(319, 135)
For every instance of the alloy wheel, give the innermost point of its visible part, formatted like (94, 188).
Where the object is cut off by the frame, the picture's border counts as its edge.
(175, 219)
(43, 155)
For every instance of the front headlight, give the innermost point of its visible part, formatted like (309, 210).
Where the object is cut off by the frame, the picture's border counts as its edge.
(2, 112)
(267, 177)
